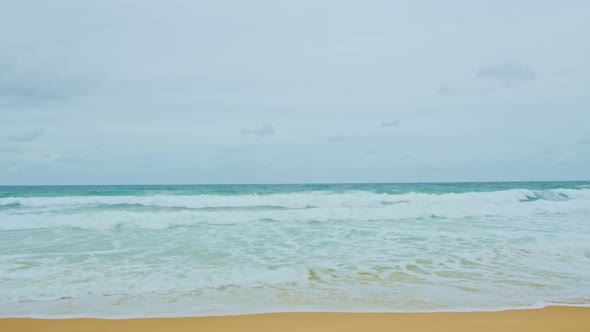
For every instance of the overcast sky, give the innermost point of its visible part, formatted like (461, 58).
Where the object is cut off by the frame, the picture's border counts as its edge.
(269, 91)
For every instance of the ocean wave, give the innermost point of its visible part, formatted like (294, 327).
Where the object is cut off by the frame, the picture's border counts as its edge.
(483, 279)
(298, 200)
(158, 212)
(313, 250)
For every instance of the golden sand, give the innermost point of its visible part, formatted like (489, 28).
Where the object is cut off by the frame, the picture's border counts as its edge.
(541, 320)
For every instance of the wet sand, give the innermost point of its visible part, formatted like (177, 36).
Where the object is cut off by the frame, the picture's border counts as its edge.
(540, 320)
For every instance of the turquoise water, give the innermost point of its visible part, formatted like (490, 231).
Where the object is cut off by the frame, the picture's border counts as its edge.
(128, 251)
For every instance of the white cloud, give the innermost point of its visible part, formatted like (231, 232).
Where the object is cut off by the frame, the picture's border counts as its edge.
(9, 150)
(106, 147)
(339, 138)
(26, 136)
(234, 150)
(390, 123)
(372, 152)
(263, 130)
(35, 79)
(507, 73)
(446, 89)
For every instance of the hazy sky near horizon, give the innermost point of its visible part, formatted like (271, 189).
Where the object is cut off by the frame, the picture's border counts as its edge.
(226, 91)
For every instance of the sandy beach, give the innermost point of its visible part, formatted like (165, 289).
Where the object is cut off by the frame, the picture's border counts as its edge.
(548, 319)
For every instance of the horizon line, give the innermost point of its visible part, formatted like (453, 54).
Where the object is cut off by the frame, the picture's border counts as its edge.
(279, 184)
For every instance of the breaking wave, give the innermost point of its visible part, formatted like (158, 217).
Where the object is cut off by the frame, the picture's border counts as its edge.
(162, 211)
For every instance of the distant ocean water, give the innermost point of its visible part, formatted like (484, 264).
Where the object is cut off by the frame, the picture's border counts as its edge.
(147, 251)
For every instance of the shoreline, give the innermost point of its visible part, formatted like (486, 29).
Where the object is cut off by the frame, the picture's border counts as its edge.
(299, 311)
(556, 318)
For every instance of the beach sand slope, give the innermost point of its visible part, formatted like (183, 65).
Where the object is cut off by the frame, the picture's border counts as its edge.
(548, 319)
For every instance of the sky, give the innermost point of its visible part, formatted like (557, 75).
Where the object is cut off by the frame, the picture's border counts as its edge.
(271, 91)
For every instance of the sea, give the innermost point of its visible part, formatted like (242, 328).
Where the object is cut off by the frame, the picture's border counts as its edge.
(196, 250)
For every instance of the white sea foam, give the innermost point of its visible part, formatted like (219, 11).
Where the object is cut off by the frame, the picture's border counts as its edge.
(126, 256)
(300, 199)
(99, 212)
